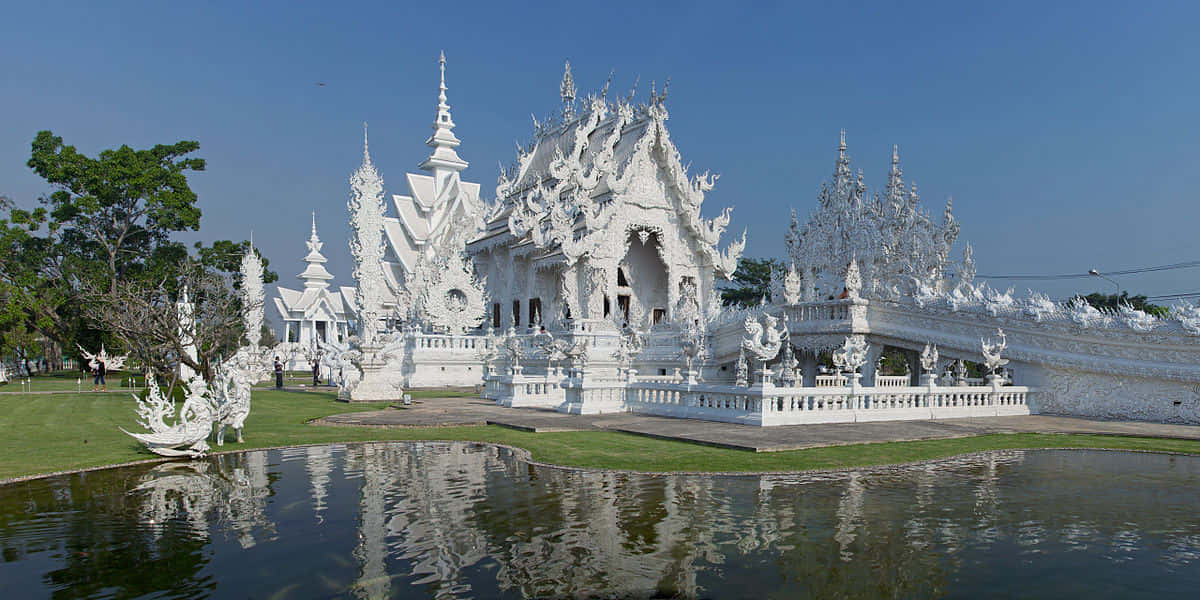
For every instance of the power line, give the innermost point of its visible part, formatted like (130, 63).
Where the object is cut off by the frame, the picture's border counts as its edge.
(1181, 265)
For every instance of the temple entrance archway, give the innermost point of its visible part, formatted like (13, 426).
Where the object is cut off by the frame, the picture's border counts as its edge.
(642, 279)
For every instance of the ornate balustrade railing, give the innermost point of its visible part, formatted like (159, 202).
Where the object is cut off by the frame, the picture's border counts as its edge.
(824, 381)
(763, 406)
(892, 380)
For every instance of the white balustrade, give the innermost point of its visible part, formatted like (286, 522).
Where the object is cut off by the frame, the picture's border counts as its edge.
(825, 381)
(891, 380)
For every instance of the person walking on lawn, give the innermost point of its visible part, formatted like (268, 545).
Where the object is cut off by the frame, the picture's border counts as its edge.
(278, 374)
(98, 381)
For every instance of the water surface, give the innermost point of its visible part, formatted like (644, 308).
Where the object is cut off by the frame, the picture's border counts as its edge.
(461, 520)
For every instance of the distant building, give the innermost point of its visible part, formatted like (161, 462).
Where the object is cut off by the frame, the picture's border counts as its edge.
(317, 312)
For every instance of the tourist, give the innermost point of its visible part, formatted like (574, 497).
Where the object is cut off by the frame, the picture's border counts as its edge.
(278, 374)
(100, 371)
(316, 371)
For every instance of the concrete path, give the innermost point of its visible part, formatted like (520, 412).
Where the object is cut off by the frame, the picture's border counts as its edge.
(445, 412)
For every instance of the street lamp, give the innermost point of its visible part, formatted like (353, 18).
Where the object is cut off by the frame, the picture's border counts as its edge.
(1095, 273)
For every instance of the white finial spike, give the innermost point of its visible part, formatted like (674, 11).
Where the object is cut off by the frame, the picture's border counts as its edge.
(252, 239)
(314, 224)
(895, 155)
(842, 144)
(366, 152)
(442, 85)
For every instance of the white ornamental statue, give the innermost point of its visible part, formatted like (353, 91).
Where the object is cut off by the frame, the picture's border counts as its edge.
(991, 352)
(455, 300)
(367, 245)
(853, 280)
(742, 370)
(929, 358)
(187, 437)
(253, 296)
(793, 287)
(852, 355)
(763, 340)
(111, 363)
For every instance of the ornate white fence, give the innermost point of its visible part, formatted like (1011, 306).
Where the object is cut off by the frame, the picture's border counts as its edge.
(767, 406)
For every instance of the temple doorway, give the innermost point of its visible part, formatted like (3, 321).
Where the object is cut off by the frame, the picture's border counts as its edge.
(642, 279)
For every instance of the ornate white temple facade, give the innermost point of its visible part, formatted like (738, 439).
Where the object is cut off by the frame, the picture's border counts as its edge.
(591, 284)
(317, 313)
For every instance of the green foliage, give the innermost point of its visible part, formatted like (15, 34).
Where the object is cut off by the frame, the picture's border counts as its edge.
(1112, 301)
(226, 256)
(751, 282)
(113, 212)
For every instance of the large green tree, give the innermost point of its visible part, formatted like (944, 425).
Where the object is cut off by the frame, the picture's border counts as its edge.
(116, 212)
(99, 247)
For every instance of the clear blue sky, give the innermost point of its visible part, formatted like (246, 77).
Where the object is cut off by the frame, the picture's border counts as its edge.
(1067, 133)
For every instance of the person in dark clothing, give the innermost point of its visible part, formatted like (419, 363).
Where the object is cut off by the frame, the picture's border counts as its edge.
(278, 374)
(316, 371)
(98, 381)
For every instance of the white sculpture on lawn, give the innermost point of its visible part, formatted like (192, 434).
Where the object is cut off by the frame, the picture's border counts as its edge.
(111, 363)
(246, 367)
(188, 436)
(367, 246)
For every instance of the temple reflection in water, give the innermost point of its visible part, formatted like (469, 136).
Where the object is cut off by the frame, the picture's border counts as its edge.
(460, 520)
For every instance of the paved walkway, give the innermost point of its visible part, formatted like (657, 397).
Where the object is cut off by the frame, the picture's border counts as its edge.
(445, 412)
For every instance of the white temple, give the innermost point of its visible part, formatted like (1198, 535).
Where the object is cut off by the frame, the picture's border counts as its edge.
(591, 284)
(317, 313)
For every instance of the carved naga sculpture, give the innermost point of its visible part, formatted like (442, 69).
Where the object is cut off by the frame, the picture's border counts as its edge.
(189, 434)
(929, 358)
(111, 363)
(991, 351)
(852, 355)
(762, 340)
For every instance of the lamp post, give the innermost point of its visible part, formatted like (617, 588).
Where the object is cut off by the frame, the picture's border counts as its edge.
(1095, 273)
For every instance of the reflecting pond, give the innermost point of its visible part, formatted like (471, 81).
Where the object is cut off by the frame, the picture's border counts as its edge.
(463, 520)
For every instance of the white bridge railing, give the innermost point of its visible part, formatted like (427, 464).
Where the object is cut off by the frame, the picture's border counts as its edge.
(763, 406)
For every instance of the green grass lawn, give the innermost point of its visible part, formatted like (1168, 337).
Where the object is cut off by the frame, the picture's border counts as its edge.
(46, 433)
(65, 381)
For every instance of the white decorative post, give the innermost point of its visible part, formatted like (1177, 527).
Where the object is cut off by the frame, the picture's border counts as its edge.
(366, 244)
(187, 334)
(253, 296)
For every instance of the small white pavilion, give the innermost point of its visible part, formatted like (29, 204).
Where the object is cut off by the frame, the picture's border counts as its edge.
(317, 312)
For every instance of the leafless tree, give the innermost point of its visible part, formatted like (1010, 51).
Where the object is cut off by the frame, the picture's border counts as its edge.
(149, 320)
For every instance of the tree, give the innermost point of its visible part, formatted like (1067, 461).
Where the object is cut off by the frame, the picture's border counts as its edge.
(751, 282)
(1112, 301)
(115, 211)
(146, 318)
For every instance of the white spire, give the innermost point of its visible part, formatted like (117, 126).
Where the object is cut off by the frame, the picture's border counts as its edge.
(315, 275)
(443, 141)
(567, 90)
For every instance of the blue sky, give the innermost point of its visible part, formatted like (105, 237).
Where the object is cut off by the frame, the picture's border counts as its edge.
(1067, 133)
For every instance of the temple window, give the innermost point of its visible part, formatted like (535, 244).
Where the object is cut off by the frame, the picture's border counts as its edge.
(516, 313)
(535, 310)
(496, 315)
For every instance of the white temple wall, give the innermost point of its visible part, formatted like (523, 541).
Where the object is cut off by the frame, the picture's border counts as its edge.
(1080, 393)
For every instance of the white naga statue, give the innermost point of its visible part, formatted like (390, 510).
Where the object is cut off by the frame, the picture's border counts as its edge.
(852, 355)
(111, 363)
(763, 340)
(929, 358)
(991, 352)
(189, 435)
